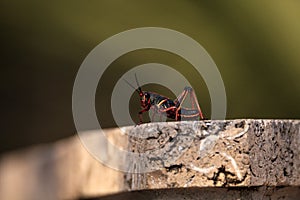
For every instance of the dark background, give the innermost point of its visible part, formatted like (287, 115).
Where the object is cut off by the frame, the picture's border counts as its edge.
(255, 45)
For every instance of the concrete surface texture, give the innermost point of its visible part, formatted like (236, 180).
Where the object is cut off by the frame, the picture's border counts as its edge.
(231, 159)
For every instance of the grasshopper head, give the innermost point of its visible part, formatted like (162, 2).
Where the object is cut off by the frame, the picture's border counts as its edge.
(145, 99)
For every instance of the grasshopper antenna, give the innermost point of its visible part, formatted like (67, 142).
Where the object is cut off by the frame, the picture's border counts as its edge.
(139, 87)
(131, 86)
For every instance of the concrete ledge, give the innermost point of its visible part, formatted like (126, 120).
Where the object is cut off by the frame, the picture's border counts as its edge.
(219, 153)
(243, 158)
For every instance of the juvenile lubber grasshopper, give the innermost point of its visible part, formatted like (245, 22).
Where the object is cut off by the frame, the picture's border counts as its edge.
(162, 105)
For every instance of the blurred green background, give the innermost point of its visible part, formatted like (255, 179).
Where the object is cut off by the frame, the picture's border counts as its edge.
(255, 45)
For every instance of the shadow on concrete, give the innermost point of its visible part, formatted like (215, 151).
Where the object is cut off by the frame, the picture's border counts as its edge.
(244, 193)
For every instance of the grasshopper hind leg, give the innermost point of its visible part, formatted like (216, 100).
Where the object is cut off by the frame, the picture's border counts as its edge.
(188, 113)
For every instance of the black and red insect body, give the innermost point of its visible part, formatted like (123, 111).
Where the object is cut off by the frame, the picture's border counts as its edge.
(173, 109)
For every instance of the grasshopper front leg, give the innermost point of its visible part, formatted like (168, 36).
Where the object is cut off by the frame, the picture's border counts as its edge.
(141, 114)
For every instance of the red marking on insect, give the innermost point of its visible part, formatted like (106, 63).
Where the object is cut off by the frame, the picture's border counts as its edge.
(173, 109)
